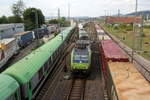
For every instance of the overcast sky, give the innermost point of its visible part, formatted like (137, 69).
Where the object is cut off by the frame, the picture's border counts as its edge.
(78, 7)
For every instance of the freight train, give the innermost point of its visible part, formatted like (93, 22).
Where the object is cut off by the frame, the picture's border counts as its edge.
(25, 38)
(119, 73)
(81, 55)
(22, 80)
(8, 48)
(21, 40)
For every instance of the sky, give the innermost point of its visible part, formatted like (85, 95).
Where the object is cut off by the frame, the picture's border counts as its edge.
(92, 8)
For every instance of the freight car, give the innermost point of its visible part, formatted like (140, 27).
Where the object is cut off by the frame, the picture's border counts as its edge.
(25, 38)
(123, 81)
(40, 32)
(112, 51)
(101, 33)
(8, 47)
(128, 81)
(32, 70)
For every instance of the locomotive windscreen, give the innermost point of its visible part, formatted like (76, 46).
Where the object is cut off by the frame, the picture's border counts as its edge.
(80, 56)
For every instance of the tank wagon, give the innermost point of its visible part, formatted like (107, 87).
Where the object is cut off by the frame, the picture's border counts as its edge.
(8, 48)
(123, 80)
(32, 70)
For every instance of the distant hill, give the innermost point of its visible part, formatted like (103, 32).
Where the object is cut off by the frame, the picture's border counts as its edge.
(139, 13)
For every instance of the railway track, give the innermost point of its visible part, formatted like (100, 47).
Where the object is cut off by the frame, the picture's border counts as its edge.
(50, 83)
(22, 53)
(77, 89)
(53, 79)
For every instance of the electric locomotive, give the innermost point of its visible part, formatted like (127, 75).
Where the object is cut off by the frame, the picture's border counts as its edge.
(81, 55)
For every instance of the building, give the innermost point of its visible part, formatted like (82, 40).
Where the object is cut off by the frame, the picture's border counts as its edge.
(123, 20)
(8, 30)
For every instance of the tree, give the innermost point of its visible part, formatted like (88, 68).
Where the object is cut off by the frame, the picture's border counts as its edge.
(62, 22)
(3, 20)
(15, 19)
(30, 15)
(53, 21)
(18, 8)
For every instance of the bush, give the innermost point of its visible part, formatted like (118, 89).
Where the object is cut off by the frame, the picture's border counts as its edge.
(123, 26)
(142, 35)
(129, 28)
(147, 26)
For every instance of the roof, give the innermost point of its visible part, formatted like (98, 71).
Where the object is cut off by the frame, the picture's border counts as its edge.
(22, 33)
(112, 51)
(6, 40)
(83, 33)
(7, 86)
(7, 26)
(126, 20)
(26, 68)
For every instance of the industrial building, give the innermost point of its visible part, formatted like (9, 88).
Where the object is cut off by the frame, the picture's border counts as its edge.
(8, 30)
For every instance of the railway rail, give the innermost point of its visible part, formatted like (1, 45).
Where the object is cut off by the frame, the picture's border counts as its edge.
(55, 87)
(49, 86)
(77, 89)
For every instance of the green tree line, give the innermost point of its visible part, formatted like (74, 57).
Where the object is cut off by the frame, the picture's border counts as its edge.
(29, 16)
(62, 22)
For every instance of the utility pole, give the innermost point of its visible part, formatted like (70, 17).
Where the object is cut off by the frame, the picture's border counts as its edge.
(147, 17)
(58, 18)
(141, 34)
(37, 26)
(58, 14)
(68, 11)
(118, 12)
(134, 29)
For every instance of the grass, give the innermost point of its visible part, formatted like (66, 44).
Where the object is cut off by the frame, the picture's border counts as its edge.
(128, 36)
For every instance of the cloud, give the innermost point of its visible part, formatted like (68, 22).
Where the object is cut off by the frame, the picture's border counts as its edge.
(79, 7)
